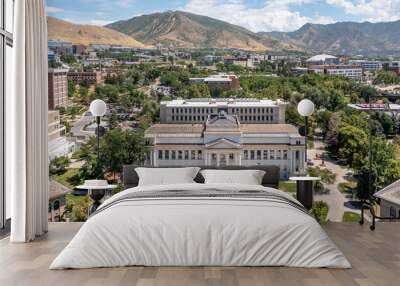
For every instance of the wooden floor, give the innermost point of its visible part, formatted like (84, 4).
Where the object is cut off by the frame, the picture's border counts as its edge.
(375, 257)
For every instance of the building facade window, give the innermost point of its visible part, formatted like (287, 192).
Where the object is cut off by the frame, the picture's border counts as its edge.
(265, 155)
(271, 154)
(6, 44)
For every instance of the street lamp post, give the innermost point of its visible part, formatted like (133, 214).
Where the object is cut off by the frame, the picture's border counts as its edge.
(98, 109)
(304, 184)
(305, 108)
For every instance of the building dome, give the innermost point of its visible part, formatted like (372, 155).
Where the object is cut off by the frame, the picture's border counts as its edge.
(323, 58)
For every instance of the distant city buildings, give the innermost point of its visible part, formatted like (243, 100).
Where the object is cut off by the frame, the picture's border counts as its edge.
(222, 82)
(242, 61)
(57, 88)
(52, 57)
(58, 143)
(60, 47)
(349, 71)
(247, 110)
(91, 77)
(391, 107)
(323, 60)
(367, 65)
(392, 66)
(79, 49)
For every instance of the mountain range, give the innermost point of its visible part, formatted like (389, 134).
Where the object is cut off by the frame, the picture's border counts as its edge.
(87, 34)
(345, 38)
(187, 30)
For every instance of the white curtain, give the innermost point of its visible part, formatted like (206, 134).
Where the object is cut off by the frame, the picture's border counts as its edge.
(26, 117)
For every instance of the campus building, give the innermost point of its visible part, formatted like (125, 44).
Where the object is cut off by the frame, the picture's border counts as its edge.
(222, 82)
(222, 141)
(367, 65)
(58, 144)
(349, 71)
(247, 110)
(57, 88)
(89, 77)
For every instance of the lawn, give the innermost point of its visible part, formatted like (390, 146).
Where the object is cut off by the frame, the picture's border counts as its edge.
(66, 179)
(347, 187)
(351, 217)
(287, 186)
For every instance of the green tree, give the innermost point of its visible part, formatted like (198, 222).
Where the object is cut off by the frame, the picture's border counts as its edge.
(151, 108)
(59, 165)
(386, 77)
(353, 145)
(113, 120)
(121, 147)
(71, 88)
(68, 59)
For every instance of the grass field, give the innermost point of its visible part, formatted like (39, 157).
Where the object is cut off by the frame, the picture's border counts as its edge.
(66, 179)
(351, 217)
(287, 186)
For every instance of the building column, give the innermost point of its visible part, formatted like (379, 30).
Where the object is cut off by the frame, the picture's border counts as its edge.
(290, 165)
(218, 159)
(155, 163)
(293, 162)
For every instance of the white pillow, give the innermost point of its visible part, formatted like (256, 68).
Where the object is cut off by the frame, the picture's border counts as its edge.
(166, 176)
(248, 177)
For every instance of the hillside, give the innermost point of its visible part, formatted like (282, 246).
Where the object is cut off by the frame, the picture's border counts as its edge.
(345, 38)
(87, 34)
(187, 30)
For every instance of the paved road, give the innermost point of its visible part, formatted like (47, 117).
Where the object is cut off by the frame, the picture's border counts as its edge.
(336, 200)
(77, 128)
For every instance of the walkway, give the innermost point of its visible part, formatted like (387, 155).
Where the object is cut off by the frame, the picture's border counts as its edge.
(336, 200)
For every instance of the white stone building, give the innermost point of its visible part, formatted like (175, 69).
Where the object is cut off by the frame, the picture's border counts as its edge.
(222, 140)
(349, 71)
(247, 110)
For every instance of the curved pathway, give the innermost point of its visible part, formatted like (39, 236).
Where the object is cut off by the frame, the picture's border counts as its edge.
(338, 202)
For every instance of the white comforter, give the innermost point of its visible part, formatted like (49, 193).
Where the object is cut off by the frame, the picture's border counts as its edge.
(202, 232)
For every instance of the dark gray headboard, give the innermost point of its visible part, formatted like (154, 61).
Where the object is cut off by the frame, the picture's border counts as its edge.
(271, 178)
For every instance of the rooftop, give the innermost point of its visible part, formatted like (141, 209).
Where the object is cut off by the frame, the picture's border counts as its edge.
(375, 106)
(236, 102)
(285, 129)
(319, 58)
(391, 193)
(375, 258)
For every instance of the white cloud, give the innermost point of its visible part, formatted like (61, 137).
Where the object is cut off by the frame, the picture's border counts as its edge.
(370, 10)
(51, 9)
(95, 22)
(273, 15)
(99, 22)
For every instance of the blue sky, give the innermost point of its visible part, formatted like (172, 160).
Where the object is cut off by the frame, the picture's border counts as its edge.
(256, 15)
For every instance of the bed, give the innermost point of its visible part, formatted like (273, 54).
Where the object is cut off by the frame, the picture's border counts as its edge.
(201, 224)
